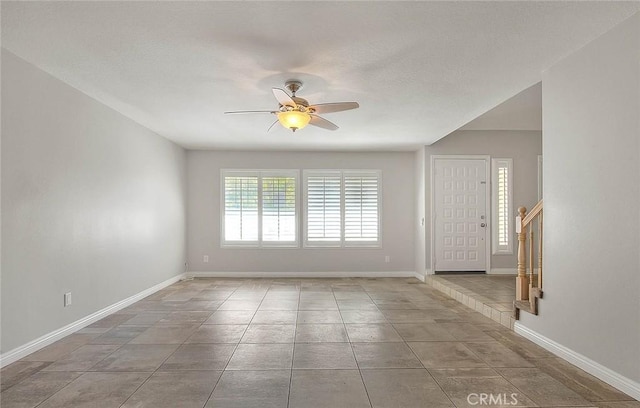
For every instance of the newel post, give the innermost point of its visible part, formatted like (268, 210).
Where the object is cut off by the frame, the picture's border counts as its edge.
(522, 281)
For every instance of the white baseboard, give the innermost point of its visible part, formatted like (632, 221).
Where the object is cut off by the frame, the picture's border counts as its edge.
(428, 272)
(394, 274)
(607, 375)
(35, 345)
(503, 271)
(421, 276)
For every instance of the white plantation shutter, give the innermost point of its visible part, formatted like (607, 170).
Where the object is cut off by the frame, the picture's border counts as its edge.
(502, 204)
(279, 208)
(342, 208)
(323, 208)
(241, 208)
(260, 208)
(361, 207)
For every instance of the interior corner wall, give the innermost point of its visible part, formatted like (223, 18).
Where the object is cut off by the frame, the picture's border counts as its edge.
(420, 217)
(204, 215)
(523, 146)
(591, 110)
(92, 204)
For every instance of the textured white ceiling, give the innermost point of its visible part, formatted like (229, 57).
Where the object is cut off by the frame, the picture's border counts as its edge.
(418, 69)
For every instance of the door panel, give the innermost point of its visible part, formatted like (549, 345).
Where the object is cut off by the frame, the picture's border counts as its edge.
(460, 222)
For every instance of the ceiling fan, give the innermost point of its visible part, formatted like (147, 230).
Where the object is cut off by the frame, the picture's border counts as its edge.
(295, 113)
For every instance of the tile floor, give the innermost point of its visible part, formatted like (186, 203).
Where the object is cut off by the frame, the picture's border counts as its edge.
(298, 343)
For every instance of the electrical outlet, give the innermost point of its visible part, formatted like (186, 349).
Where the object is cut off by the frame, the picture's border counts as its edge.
(67, 299)
(387, 259)
(205, 258)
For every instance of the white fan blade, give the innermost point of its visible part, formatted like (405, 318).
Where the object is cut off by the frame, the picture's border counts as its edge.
(283, 98)
(322, 123)
(254, 111)
(272, 125)
(334, 107)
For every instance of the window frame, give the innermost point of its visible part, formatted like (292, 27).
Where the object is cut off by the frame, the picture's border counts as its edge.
(496, 165)
(260, 174)
(342, 242)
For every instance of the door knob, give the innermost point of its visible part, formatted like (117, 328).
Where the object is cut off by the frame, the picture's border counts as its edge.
(483, 225)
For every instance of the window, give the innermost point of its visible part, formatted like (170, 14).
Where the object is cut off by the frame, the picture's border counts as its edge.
(260, 208)
(502, 180)
(342, 208)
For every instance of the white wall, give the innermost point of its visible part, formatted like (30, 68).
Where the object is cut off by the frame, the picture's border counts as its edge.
(591, 106)
(204, 214)
(92, 204)
(521, 145)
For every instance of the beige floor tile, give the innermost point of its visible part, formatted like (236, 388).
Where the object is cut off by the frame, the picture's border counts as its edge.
(145, 319)
(269, 333)
(175, 389)
(385, 355)
(543, 389)
(279, 304)
(618, 404)
(231, 317)
(199, 357)
(275, 317)
(97, 390)
(218, 333)
(423, 332)
(362, 316)
(119, 335)
(395, 304)
(409, 316)
(404, 388)
(136, 357)
(82, 358)
(261, 357)
(185, 317)
(445, 355)
(327, 389)
(465, 387)
(60, 348)
(373, 332)
(230, 304)
(319, 316)
(358, 304)
(164, 334)
(18, 371)
(351, 295)
(318, 304)
(310, 333)
(213, 294)
(251, 389)
(584, 384)
(497, 355)
(466, 331)
(323, 356)
(520, 345)
(112, 320)
(35, 389)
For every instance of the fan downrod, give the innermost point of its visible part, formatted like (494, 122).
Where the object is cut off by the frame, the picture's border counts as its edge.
(293, 85)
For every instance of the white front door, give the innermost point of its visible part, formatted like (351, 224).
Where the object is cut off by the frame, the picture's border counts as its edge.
(460, 224)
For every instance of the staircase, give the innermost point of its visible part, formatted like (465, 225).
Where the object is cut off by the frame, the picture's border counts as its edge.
(528, 282)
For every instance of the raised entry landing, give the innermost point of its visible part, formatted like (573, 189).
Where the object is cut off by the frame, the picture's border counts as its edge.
(491, 295)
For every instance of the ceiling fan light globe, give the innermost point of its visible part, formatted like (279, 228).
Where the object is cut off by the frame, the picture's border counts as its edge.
(294, 120)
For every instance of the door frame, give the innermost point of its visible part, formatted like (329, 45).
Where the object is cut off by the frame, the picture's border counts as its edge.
(487, 168)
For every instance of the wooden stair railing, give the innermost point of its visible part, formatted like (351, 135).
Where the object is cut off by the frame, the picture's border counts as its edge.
(528, 286)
